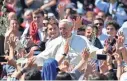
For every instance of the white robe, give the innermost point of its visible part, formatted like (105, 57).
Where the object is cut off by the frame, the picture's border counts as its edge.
(55, 48)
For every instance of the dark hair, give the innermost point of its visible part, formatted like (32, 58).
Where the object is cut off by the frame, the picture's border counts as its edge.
(38, 11)
(33, 74)
(111, 75)
(52, 21)
(94, 27)
(1, 69)
(99, 19)
(63, 76)
(114, 24)
(97, 77)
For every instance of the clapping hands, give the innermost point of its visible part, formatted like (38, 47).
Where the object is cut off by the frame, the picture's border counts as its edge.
(66, 47)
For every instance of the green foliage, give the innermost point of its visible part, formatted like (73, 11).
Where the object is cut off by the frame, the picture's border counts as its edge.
(4, 23)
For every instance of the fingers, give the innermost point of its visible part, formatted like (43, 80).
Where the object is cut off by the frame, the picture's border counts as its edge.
(31, 61)
(61, 7)
(120, 34)
(78, 18)
(66, 47)
(7, 57)
(86, 52)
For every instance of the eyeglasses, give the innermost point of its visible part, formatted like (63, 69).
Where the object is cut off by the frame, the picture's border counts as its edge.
(98, 24)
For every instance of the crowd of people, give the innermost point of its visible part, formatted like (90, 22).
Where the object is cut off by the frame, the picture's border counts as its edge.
(65, 40)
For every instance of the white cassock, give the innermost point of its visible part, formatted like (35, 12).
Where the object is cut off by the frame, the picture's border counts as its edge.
(55, 48)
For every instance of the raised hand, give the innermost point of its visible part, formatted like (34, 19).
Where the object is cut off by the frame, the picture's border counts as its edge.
(61, 8)
(8, 32)
(66, 47)
(91, 68)
(12, 41)
(85, 54)
(11, 61)
(77, 23)
(103, 67)
(120, 40)
(66, 50)
(118, 57)
(30, 62)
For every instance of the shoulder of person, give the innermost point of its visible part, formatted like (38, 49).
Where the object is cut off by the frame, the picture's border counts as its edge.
(80, 37)
(57, 40)
(123, 77)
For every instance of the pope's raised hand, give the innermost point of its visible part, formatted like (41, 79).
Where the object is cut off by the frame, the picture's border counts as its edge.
(66, 47)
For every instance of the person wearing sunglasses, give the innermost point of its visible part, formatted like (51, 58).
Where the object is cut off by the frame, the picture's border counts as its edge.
(99, 22)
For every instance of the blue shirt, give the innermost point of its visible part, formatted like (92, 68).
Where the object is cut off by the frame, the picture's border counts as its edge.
(120, 15)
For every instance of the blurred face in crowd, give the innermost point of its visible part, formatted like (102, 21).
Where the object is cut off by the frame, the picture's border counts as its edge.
(88, 32)
(53, 31)
(124, 2)
(90, 15)
(101, 15)
(28, 16)
(65, 30)
(37, 18)
(111, 30)
(11, 15)
(14, 25)
(99, 25)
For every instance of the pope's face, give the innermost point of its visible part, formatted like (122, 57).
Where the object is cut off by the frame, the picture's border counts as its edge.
(65, 31)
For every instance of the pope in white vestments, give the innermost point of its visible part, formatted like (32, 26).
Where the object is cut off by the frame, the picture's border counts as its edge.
(55, 48)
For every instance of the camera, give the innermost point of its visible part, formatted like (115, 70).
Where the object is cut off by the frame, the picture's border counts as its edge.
(2, 59)
(101, 56)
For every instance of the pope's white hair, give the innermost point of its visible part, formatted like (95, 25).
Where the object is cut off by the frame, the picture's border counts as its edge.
(67, 22)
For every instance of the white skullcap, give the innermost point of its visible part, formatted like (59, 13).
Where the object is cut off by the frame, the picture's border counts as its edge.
(67, 21)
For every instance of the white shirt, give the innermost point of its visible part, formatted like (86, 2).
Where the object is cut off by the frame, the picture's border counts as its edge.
(55, 48)
(112, 7)
(124, 30)
(123, 77)
(120, 14)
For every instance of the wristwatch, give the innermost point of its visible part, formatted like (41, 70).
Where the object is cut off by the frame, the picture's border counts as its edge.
(64, 54)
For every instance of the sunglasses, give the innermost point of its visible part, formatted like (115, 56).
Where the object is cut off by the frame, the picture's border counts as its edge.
(98, 24)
